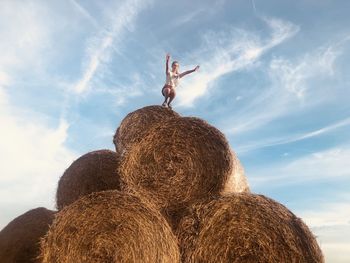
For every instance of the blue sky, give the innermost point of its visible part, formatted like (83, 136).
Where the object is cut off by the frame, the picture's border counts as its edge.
(273, 77)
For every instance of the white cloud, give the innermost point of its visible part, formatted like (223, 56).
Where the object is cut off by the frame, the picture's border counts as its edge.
(330, 222)
(328, 215)
(331, 163)
(335, 252)
(4, 79)
(229, 52)
(33, 156)
(100, 48)
(24, 32)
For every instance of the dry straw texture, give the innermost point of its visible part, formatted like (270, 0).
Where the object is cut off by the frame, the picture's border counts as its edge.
(137, 123)
(245, 228)
(179, 161)
(107, 227)
(20, 239)
(93, 172)
(237, 182)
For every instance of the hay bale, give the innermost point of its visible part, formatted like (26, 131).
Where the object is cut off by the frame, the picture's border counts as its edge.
(237, 181)
(110, 226)
(93, 172)
(20, 239)
(245, 228)
(178, 161)
(137, 123)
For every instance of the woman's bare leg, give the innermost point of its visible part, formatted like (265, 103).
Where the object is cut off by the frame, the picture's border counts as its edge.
(165, 102)
(171, 97)
(166, 93)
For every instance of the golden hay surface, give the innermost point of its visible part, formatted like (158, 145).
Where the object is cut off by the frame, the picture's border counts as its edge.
(237, 181)
(137, 123)
(93, 172)
(20, 239)
(179, 161)
(107, 227)
(245, 228)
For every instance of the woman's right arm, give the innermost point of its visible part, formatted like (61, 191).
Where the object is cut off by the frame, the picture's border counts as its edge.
(167, 64)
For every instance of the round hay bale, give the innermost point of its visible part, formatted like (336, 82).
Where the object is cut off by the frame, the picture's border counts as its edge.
(245, 228)
(237, 181)
(179, 161)
(93, 172)
(137, 123)
(110, 226)
(20, 239)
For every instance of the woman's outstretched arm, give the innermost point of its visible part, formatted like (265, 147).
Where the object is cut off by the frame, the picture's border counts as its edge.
(189, 71)
(167, 63)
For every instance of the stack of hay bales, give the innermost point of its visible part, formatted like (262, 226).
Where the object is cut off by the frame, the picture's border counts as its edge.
(174, 191)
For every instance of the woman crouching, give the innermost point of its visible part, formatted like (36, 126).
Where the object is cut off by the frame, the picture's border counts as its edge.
(172, 81)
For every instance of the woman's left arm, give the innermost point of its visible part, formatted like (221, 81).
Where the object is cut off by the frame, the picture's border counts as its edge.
(188, 72)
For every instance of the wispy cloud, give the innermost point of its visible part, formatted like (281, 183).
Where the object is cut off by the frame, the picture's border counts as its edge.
(292, 138)
(122, 93)
(331, 163)
(254, 7)
(290, 89)
(187, 17)
(293, 77)
(85, 13)
(100, 51)
(229, 52)
(198, 12)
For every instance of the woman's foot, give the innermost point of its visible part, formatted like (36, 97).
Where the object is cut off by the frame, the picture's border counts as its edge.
(169, 106)
(164, 104)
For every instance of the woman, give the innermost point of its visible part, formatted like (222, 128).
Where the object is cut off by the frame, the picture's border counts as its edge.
(172, 80)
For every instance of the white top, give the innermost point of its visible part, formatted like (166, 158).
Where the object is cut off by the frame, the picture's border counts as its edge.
(172, 79)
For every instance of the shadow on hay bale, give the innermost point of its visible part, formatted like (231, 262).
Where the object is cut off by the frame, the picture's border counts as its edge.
(178, 161)
(93, 172)
(245, 228)
(137, 123)
(20, 239)
(237, 181)
(108, 227)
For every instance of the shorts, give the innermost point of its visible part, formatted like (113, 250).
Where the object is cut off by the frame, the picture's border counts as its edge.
(166, 86)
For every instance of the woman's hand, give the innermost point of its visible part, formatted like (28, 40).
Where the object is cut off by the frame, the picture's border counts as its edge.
(167, 57)
(196, 68)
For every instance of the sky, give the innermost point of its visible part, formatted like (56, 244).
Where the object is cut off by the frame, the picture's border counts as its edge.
(273, 78)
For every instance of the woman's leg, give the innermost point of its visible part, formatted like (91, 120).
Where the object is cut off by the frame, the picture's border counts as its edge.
(172, 95)
(166, 92)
